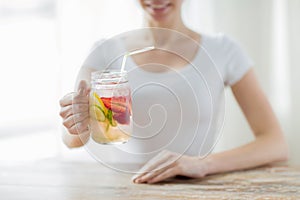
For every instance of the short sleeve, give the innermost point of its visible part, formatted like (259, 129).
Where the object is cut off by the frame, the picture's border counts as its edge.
(105, 54)
(237, 62)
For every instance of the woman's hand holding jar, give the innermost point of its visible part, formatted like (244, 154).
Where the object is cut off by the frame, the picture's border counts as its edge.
(75, 114)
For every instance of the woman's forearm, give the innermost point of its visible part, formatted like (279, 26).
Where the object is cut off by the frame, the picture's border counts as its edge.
(265, 149)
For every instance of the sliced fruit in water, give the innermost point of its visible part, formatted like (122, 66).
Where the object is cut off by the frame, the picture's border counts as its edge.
(107, 102)
(105, 129)
(123, 118)
(118, 108)
(97, 101)
(116, 104)
(110, 118)
(114, 134)
(109, 132)
(97, 113)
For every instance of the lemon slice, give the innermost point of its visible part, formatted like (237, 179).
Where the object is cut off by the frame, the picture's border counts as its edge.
(96, 100)
(97, 113)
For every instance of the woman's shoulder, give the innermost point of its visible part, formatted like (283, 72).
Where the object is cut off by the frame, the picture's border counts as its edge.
(219, 41)
(228, 54)
(104, 53)
(104, 43)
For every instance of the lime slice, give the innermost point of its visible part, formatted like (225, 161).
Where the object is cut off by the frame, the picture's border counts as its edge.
(113, 122)
(110, 118)
(97, 113)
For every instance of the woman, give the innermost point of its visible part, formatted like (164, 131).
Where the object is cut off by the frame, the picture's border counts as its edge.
(269, 144)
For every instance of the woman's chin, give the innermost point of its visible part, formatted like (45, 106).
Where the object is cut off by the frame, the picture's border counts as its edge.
(161, 20)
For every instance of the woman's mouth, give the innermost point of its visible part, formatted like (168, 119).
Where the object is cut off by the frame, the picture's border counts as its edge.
(159, 8)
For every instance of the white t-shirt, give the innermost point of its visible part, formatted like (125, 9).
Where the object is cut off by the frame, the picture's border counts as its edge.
(178, 110)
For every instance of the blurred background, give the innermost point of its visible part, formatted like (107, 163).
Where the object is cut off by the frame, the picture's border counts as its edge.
(44, 42)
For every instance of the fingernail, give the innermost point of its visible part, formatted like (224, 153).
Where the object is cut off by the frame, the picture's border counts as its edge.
(81, 91)
(134, 180)
(82, 87)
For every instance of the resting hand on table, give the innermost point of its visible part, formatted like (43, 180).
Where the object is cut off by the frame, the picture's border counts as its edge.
(168, 164)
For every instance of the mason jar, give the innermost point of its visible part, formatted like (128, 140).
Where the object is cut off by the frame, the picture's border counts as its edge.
(110, 107)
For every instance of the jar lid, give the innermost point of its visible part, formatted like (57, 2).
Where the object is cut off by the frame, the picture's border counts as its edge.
(109, 77)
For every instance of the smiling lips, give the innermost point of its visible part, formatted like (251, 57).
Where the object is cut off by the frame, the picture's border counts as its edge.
(157, 7)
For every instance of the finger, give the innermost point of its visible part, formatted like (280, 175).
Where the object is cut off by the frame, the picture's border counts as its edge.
(82, 89)
(67, 111)
(75, 118)
(151, 175)
(154, 163)
(80, 108)
(170, 172)
(73, 98)
(66, 100)
(80, 127)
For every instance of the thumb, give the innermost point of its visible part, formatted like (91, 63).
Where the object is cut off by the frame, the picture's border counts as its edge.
(82, 88)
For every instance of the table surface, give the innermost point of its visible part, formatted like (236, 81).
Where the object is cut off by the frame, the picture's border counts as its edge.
(67, 180)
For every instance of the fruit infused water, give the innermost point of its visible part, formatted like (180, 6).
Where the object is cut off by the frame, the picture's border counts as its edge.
(110, 107)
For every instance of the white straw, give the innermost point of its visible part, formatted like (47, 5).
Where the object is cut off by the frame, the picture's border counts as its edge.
(133, 53)
(124, 62)
(141, 50)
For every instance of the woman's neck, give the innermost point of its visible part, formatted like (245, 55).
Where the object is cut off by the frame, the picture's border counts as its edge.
(167, 36)
(175, 24)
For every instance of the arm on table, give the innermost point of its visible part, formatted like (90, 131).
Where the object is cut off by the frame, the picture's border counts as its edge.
(269, 144)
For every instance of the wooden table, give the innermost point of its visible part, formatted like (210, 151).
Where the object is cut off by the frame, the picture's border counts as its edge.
(71, 181)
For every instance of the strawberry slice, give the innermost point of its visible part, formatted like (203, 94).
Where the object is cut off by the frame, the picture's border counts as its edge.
(107, 102)
(116, 104)
(118, 108)
(123, 117)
